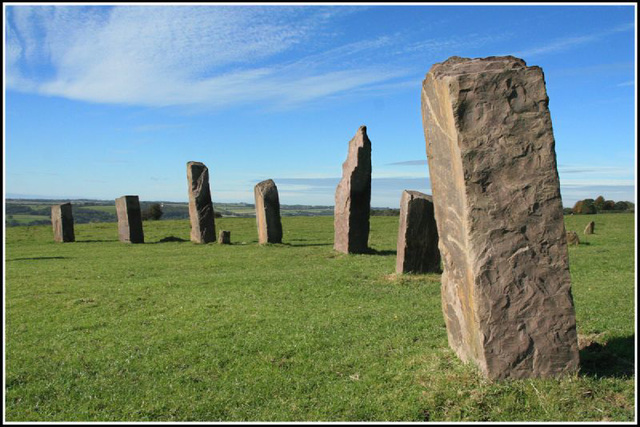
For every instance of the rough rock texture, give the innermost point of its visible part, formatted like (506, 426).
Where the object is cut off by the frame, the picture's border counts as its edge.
(201, 214)
(62, 222)
(590, 228)
(225, 237)
(129, 219)
(353, 197)
(572, 238)
(268, 212)
(417, 235)
(506, 289)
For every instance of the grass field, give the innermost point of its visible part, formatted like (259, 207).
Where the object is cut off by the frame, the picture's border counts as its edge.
(98, 330)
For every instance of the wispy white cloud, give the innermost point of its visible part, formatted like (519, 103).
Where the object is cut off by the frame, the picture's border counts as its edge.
(566, 43)
(162, 56)
(627, 83)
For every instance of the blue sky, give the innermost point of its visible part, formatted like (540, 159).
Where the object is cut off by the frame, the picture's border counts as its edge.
(103, 101)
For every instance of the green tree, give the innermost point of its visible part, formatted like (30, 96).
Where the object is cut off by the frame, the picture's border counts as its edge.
(599, 203)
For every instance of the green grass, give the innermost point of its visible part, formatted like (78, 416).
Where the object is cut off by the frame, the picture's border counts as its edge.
(98, 330)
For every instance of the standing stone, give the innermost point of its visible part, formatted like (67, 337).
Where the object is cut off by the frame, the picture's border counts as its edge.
(506, 288)
(203, 228)
(590, 228)
(62, 222)
(572, 238)
(268, 212)
(417, 235)
(225, 237)
(353, 197)
(129, 219)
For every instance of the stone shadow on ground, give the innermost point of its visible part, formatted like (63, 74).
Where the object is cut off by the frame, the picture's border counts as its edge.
(38, 258)
(614, 359)
(371, 251)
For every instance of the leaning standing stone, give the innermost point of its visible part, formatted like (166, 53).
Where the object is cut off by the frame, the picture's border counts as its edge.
(203, 228)
(62, 222)
(353, 197)
(590, 228)
(506, 288)
(417, 235)
(129, 219)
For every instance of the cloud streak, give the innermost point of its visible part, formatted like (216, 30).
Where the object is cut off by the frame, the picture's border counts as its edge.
(167, 56)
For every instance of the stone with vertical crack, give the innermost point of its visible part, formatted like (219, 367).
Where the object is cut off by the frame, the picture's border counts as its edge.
(201, 214)
(506, 288)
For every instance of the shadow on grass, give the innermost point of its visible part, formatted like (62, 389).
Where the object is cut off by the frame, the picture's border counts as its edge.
(171, 239)
(96, 241)
(371, 251)
(614, 359)
(38, 258)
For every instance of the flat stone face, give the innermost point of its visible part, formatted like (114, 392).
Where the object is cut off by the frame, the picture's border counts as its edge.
(268, 212)
(225, 237)
(590, 228)
(353, 197)
(201, 214)
(417, 235)
(62, 222)
(129, 219)
(506, 289)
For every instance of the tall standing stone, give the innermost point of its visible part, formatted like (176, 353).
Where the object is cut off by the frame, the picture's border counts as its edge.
(506, 288)
(129, 219)
(203, 228)
(62, 222)
(417, 235)
(268, 212)
(353, 197)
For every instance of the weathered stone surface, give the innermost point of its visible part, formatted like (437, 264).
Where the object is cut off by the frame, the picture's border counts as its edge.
(225, 237)
(572, 238)
(590, 228)
(62, 222)
(506, 288)
(417, 235)
(201, 214)
(268, 212)
(129, 219)
(353, 197)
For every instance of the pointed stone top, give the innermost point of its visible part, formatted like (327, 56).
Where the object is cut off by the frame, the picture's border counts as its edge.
(457, 65)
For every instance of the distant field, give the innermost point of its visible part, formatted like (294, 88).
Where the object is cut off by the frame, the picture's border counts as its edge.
(98, 330)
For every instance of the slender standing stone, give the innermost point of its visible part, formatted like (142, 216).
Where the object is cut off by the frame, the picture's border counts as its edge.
(590, 228)
(203, 228)
(129, 219)
(506, 288)
(417, 235)
(62, 222)
(353, 197)
(225, 237)
(268, 212)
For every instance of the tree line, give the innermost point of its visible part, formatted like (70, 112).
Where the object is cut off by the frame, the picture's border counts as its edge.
(599, 205)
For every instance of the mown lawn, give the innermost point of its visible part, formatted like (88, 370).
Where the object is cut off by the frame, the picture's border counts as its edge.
(98, 330)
